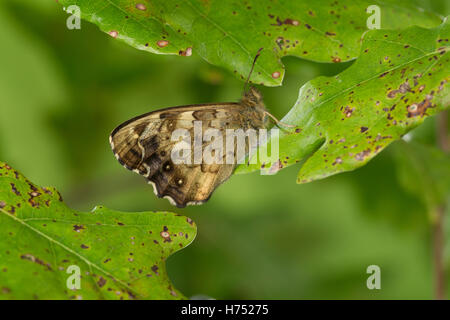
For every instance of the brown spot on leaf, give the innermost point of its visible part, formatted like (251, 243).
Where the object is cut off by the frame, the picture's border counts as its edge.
(404, 87)
(47, 191)
(113, 33)
(78, 228)
(155, 269)
(338, 160)
(417, 109)
(14, 189)
(36, 260)
(348, 111)
(101, 282)
(166, 236)
(280, 42)
(141, 7)
(173, 293)
(291, 22)
(6, 290)
(34, 194)
(186, 53)
(33, 203)
(287, 21)
(361, 155)
(275, 167)
(336, 59)
(162, 43)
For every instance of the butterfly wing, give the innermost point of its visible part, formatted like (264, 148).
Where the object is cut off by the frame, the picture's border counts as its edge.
(144, 145)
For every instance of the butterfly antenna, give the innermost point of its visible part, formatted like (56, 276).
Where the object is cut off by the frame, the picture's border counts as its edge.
(251, 70)
(278, 122)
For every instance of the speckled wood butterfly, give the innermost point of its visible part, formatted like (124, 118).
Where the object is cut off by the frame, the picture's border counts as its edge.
(145, 145)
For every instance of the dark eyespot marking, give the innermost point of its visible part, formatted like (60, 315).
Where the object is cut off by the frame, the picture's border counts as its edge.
(167, 166)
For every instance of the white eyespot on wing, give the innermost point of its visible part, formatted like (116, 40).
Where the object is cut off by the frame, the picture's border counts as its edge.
(111, 142)
(147, 167)
(142, 150)
(155, 191)
(172, 202)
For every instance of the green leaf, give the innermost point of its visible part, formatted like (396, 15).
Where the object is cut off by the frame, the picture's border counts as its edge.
(120, 255)
(229, 34)
(425, 172)
(399, 80)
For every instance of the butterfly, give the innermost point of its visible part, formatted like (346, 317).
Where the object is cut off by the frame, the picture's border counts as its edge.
(144, 145)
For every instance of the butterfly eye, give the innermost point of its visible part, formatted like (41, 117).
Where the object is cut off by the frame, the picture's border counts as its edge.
(180, 182)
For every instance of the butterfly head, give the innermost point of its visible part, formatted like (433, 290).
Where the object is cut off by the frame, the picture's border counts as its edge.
(252, 98)
(256, 113)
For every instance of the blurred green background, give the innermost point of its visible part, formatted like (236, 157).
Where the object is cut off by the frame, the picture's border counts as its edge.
(63, 91)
